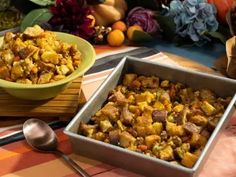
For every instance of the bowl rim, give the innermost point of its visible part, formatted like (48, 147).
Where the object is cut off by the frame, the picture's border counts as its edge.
(69, 78)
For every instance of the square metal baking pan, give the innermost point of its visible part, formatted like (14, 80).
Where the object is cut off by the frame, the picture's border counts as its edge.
(148, 166)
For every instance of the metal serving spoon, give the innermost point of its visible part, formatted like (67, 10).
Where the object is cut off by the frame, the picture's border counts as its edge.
(41, 137)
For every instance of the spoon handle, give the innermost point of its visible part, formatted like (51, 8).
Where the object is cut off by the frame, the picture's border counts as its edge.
(82, 172)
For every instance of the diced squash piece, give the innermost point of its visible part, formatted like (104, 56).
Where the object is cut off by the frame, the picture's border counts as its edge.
(141, 131)
(197, 140)
(131, 99)
(199, 120)
(145, 97)
(159, 106)
(133, 108)
(208, 108)
(151, 139)
(120, 125)
(174, 130)
(178, 108)
(150, 130)
(142, 105)
(189, 159)
(168, 107)
(157, 127)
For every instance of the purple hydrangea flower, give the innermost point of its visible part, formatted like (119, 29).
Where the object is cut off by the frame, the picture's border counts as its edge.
(193, 18)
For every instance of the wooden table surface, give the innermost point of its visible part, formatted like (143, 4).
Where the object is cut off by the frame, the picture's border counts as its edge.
(189, 63)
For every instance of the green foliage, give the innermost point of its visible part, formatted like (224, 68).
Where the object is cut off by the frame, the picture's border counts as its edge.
(141, 36)
(43, 2)
(35, 17)
(167, 25)
(217, 35)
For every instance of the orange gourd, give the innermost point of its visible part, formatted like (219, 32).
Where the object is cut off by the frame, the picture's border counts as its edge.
(223, 7)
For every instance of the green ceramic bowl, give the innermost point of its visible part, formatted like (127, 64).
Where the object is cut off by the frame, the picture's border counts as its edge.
(46, 91)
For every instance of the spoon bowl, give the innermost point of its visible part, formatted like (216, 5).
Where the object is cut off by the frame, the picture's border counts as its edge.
(42, 138)
(39, 135)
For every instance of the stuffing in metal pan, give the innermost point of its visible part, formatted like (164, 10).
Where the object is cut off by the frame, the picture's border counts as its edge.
(158, 118)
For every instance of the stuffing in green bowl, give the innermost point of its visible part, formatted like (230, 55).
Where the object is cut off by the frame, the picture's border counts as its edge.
(38, 64)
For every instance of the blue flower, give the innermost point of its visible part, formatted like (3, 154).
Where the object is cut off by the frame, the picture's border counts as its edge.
(193, 18)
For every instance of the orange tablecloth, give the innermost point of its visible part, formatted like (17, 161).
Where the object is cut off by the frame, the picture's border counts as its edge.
(19, 160)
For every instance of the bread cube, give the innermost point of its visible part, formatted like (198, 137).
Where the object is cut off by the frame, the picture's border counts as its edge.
(105, 125)
(180, 151)
(129, 78)
(111, 111)
(174, 130)
(126, 139)
(167, 153)
(165, 83)
(87, 130)
(45, 78)
(149, 82)
(144, 120)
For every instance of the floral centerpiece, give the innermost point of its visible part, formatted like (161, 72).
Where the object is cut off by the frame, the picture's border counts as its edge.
(117, 21)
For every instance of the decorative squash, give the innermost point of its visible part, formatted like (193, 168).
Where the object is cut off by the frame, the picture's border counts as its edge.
(223, 7)
(109, 12)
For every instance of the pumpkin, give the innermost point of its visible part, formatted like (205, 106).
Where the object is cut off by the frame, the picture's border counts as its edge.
(109, 12)
(223, 7)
